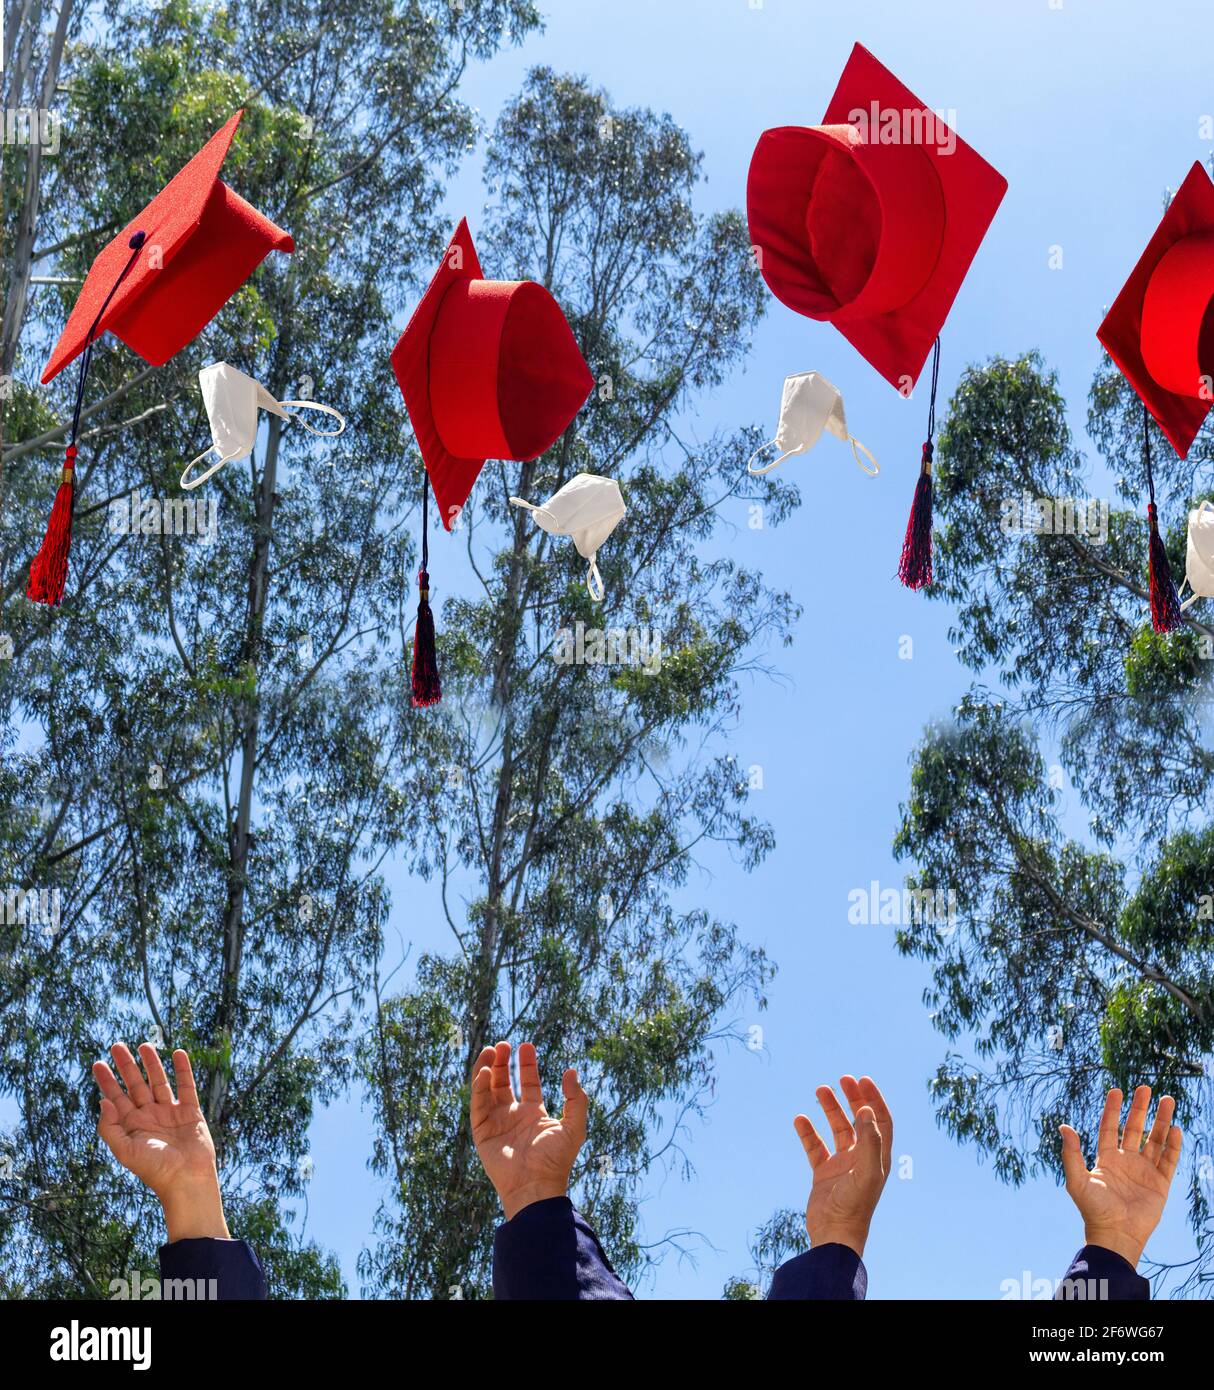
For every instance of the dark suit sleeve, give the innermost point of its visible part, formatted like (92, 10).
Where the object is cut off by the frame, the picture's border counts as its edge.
(227, 1269)
(550, 1251)
(1097, 1273)
(825, 1272)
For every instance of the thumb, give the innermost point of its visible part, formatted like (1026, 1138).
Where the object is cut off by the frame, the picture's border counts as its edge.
(577, 1104)
(1072, 1157)
(868, 1144)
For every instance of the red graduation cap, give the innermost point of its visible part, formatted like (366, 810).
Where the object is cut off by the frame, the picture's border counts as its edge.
(156, 285)
(1160, 332)
(870, 221)
(488, 369)
(202, 241)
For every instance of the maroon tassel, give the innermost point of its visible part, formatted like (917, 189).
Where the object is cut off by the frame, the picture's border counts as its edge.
(1165, 601)
(48, 572)
(426, 687)
(915, 569)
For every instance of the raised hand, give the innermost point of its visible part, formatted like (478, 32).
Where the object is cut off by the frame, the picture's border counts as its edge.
(164, 1142)
(847, 1184)
(1122, 1198)
(526, 1153)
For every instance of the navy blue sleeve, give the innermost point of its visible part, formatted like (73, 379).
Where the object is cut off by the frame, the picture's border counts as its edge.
(203, 1268)
(825, 1272)
(550, 1251)
(1097, 1273)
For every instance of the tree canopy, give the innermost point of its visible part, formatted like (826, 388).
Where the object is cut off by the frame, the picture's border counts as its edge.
(209, 760)
(1081, 957)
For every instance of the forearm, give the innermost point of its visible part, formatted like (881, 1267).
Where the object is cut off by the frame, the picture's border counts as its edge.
(201, 1261)
(194, 1211)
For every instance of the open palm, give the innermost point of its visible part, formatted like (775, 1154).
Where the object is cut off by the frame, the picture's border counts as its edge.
(163, 1141)
(527, 1154)
(848, 1183)
(1122, 1198)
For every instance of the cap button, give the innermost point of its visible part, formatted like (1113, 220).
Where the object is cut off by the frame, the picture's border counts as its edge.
(137, 240)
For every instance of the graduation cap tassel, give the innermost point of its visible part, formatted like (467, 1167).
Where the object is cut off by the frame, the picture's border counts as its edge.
(48, 570)
(915, 568)
(426, 687)
(1165, 601)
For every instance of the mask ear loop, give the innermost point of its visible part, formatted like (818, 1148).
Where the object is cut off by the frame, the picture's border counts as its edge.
(864, 468)
(188, 484)
(594, 580)
(316, 405)
(192, 483)
(531, 507)
(767, 467)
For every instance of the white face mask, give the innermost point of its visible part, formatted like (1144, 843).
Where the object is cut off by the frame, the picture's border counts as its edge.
(809, 405)
(1199, 560)
(232, 400)
(588, 508)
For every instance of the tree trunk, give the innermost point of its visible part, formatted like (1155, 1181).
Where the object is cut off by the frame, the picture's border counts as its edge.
(240, 834)
(22, 261)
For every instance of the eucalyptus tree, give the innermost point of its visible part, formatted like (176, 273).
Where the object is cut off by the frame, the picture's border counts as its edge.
(570, 781)
(196, 741)
(1082, 952)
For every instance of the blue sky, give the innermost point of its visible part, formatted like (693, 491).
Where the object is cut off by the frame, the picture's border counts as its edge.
(1090, 108)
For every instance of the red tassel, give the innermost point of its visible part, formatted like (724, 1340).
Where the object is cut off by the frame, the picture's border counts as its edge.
(915, 569)
(426, 687)
(48, 572)
(1165, 601)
